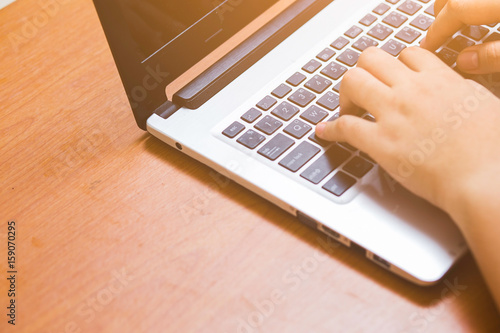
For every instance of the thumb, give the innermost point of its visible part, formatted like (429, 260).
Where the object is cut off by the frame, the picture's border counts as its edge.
(480, 59)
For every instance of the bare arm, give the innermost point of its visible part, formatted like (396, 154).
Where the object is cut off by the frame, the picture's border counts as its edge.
(436, 133)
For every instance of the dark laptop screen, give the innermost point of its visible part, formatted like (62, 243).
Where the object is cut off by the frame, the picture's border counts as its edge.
(153, 41)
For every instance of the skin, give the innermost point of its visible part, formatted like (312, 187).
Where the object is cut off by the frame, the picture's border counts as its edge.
(451, 16)
(435, 132)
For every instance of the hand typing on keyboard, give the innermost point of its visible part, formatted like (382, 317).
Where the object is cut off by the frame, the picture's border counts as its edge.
(451, 16)
(435, 132)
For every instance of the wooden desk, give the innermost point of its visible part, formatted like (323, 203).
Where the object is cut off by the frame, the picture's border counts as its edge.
(117, 232)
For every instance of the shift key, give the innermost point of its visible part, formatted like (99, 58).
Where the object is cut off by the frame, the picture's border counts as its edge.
(325, 164)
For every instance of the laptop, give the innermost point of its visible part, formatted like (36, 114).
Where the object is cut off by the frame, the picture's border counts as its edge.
(251, 115)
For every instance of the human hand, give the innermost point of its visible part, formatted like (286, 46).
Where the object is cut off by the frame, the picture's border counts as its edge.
(451, 16)
(435, 132)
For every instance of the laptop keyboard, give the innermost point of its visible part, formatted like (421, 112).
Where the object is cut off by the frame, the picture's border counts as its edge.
(280, 127)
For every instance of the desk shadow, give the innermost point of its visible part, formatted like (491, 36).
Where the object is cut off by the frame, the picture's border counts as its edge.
(464, 273)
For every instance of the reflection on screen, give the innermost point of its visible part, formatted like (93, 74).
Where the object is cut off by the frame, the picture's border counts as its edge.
(155, 23)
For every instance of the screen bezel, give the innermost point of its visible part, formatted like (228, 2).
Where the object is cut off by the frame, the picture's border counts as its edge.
(145, 83)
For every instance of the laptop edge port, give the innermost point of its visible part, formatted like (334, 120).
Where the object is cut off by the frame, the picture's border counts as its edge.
(378, 260)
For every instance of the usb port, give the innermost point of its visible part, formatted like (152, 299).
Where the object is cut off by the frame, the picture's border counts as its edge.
(330, 232)
(380, 261)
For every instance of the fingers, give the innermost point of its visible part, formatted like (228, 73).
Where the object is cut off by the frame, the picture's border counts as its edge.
(456, 13)
(445, 25)
(383, 66)
(438, 6)
(360, 89)
(480, 59)
(356, 131)
(419, 59)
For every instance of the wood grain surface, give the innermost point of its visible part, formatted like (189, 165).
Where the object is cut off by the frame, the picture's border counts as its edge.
(117, 232)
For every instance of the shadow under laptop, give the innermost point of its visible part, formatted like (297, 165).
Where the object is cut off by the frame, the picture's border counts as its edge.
(461, 285)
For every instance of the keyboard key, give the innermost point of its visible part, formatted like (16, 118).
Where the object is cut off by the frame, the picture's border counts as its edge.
(392, 1)
(330, 101)
(366, 156)
(312, 66)
(302, 97)
(314, 114)
(276, 147)
(393, 48)
(268, 125)
(318, 84)
(302, 154)
(337, 87)
(475, 32)
(251, 115)
(251, 139)
(430, 10)
(233, 130)
(334, 70)
(285, 111)
(339, 183)
(380, 32)
(325, 164)
(339, 43)
(409, 7)
(493, 37)
(459, 43)
(297, 129)
(349, 57)
(369, 117)
(408, 35)
(424, 1)
(358, 166)
(447, 56)
(381, 9)
(363, 43)
(281, 91)
(266, 103)
(334, 117)
(353, 32)
(395, 19)
(348, 146)
(326, 54)
(296, 79)
(368, 20)
(423, 22)
(315, 139)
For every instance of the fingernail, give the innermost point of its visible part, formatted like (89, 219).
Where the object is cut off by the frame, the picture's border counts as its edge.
(320, 129)
(468, 61)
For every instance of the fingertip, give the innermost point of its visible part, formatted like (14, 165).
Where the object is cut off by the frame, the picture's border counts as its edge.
(468, 61)
(320, 129)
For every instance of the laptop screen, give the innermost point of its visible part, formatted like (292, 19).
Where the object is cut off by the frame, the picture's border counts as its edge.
(155, 41)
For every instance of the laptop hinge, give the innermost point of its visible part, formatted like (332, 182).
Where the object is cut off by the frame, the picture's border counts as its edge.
(211, 81)
(166, 109)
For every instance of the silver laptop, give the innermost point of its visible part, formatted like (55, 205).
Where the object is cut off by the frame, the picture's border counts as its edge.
(251, 116)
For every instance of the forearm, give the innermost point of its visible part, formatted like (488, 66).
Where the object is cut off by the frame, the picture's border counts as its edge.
(478, 216)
